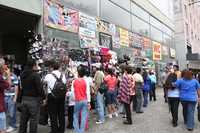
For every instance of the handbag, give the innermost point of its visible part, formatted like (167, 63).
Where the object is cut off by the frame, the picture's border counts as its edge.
(103, 88)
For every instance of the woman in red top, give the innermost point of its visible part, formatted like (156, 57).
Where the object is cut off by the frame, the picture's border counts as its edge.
(111, 82)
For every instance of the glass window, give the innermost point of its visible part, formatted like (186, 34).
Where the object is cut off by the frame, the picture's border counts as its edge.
(156, 23)
(156, 34)
(167, 40)
(138, 11)
(114, 14)
(167, 30)
(140, 26)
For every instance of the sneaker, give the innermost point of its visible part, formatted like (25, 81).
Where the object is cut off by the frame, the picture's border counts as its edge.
(10, 129)
(99, 122)
(110, 116)
(116, 114)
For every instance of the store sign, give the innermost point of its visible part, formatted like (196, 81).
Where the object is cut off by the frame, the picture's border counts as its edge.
(105, 40)
(136, 41)
(87, 33)
(86, 42)
(157, 51)
(124, 37)
(172, 53)
(59, 17)
(165, 50)
(103, 26)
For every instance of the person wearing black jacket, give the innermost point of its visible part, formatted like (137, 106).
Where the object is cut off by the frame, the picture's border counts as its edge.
(32, 94)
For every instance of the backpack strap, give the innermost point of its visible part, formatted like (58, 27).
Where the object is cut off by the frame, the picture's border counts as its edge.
(57, 79)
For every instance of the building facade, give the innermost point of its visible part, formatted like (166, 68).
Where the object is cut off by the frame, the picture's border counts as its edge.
(187, 36)
(146, 18)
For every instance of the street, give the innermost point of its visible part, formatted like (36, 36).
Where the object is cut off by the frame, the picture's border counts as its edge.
(156, 119)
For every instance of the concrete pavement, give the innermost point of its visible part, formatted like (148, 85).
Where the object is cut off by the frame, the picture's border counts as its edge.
(156, 119)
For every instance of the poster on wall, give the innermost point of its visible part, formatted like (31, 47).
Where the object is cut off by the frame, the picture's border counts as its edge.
(136, 41)
(105, 40)
(103, 26)
(115, 36)
(87, 21)
(60, 17)
(87, 31)
(165, 50)
(124, 37)
(172, 53)
(146, 43)
(156, 51)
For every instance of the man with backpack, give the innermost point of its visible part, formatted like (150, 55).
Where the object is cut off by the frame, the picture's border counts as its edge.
(56, 83)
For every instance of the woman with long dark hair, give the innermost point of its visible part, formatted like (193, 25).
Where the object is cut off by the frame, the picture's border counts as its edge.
(189, 95)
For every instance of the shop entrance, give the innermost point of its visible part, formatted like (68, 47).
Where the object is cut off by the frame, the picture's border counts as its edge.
(14, 25)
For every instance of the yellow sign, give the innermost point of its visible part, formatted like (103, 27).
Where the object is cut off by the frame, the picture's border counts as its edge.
(124, 37)
(157, 51)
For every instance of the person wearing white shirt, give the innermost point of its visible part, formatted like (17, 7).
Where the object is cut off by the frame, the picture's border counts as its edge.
(56, 107)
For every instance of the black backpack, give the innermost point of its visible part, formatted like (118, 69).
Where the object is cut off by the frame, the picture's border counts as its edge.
(59, 89)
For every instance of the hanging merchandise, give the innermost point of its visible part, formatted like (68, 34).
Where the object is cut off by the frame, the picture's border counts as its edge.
(105, 40)
(87, 31)
(157, 56)
(59, 17)
(34, 42)
(146, 43)
(124, 37)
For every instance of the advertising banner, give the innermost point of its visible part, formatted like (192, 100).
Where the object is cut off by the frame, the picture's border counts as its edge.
(87, 31)
(165, 50)
(156, 51)
(87, 21)
(124, 37)
(60, 17)
(115, 36)
(135, 40)
(146, 43)
(103, 26)
(172, 53)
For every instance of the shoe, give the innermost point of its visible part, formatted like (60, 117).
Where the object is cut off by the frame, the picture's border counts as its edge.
(99, 122)
(139, 112)
(127, 123)
(10, 129)
(110, 116)
(175, 124)
(124, 116)
(144, 106)
(190, 129)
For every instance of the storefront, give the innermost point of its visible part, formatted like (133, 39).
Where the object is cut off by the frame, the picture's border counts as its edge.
(14, 26)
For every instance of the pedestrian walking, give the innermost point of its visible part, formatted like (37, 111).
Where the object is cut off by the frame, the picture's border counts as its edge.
(5, 82)
(32, 94)
(153, 79)
(56, 83)
(146, 88)
(173, 96)
(163, 80)
(126, 93)
(189, 95)
(81, 91)
(111, 82)
(138, 90)
(71, 103)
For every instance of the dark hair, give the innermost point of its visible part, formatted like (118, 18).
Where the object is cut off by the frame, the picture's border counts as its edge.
(55, 65)
(176, 66)
(110, 71)
(145, 75)
(188, 75)
(30, 63)
(81, 71)
(138, 70)
(128, 69)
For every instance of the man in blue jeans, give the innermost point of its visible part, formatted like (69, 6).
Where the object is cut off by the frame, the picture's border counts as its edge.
(10, 102)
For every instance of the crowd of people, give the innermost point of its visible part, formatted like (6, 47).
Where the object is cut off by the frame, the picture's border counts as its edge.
(107, 91)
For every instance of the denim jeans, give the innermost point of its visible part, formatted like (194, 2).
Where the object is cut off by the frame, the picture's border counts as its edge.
(100, 106)
(82, 107)
(146, 95)
(10, 111)
(188, 113)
